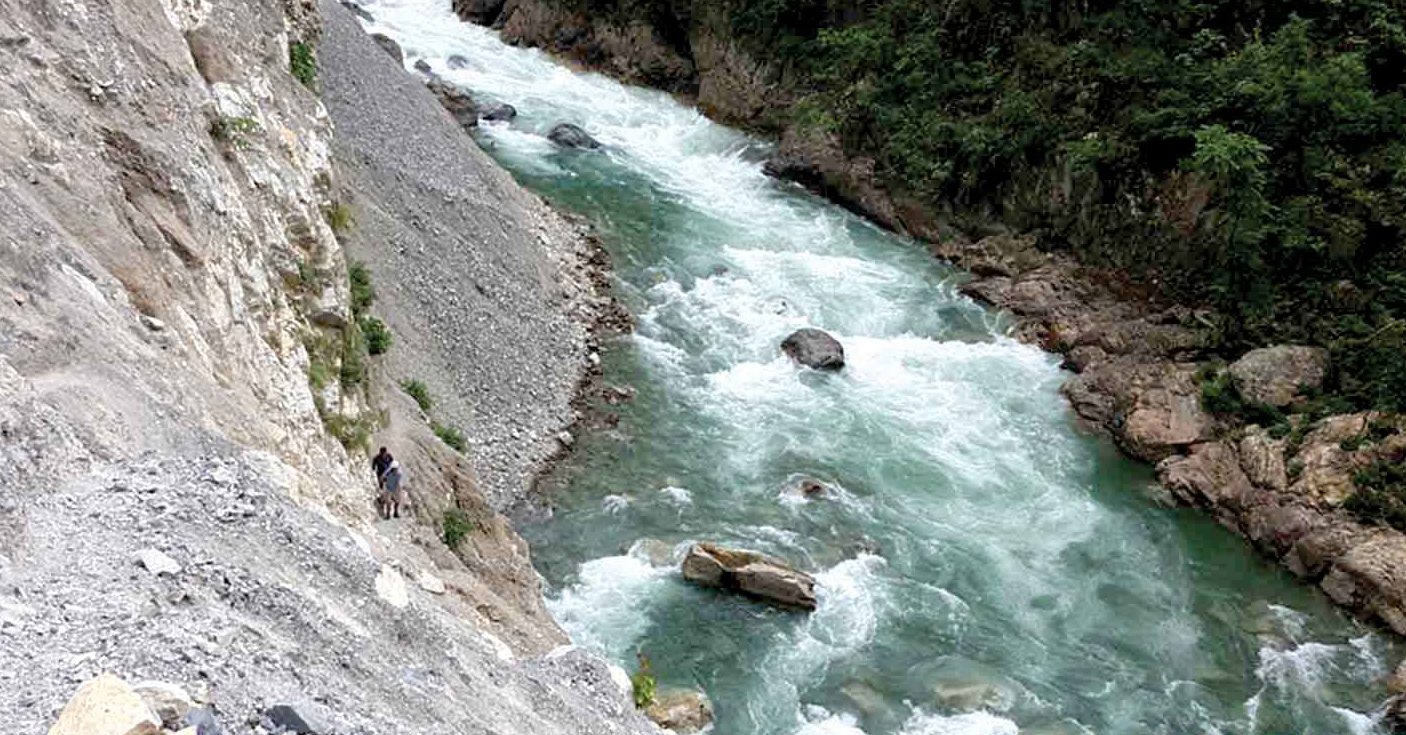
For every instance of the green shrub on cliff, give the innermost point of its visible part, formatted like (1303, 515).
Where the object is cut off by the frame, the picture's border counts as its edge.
(450, 436)
(303, 63)
(377, 334)
(420, 392)
(457, 527)
(1381, 495)
(645, 686)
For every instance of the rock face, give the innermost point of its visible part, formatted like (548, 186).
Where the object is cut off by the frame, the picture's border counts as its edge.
(567, 135)
(682, 711)
(389, 45)
(814, 349)
(1278, 375)
(170, 178)
(751, 574)
(106, 706)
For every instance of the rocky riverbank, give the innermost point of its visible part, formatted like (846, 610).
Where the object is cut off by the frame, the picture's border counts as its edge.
(1141, 360)
(184, 187)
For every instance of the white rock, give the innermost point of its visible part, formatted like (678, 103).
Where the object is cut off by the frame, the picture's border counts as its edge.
(390, 586)
(430, 583)
(168, 701)
(621, 677)
(158, 563)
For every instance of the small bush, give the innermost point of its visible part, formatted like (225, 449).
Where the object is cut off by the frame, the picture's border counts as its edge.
(234, 130)
(339, 217)
(457, 527)
(353, 433)
(363, 294)
(1381, 495)
(1221, 396)
(353, 371)
(303, 64)
(377, 334)
(420, 392)
(450, 436)
(319, 375)
(646, 687)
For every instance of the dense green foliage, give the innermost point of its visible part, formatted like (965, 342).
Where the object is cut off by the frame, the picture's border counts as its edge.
(1246, 154)
(1249, 154)
(363, 294)
(1381, 494)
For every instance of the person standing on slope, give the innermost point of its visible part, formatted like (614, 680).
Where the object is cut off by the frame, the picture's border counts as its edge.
(380, 463)
(392, 497)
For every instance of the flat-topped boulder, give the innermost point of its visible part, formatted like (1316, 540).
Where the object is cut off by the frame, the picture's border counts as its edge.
(814, 349)
(750, 573)
(1278, 375)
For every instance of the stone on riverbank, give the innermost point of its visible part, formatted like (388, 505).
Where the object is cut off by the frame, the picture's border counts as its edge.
(567, 135)
(1277, 375)
(814, 349)
(682, 711)
(750, 573)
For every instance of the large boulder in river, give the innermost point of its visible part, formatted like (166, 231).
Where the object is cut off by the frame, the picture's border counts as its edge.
(500, 112)
(750, 573)
(815, 349)
(1277, 375)
(567, 135)
(682, 711)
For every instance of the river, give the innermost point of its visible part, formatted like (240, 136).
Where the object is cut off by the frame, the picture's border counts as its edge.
(985, 567)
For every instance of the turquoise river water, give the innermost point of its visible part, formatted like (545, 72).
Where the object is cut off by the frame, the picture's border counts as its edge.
(985, 568)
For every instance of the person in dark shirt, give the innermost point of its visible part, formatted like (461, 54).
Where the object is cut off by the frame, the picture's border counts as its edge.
(379, 464)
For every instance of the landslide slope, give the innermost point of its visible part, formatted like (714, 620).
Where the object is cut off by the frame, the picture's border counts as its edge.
(168, 287)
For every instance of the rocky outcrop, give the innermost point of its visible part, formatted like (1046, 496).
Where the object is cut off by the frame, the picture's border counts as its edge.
(568, 135)
(166, 186)
(814, 349)
(681, 710)
(1275, 376)
(750, 573)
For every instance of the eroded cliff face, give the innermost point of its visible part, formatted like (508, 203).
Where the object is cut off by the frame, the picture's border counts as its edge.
(172, 299)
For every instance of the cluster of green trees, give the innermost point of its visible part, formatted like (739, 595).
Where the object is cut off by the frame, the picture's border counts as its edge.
(1250, 154)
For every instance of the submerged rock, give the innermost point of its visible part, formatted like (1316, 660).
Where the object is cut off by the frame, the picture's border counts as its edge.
(750, 573)
(814, 349)
(501, 112)
(683, 711)
(1277, 375)
(567, 135)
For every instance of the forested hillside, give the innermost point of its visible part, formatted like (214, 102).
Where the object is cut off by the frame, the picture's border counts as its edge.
(1246, 155)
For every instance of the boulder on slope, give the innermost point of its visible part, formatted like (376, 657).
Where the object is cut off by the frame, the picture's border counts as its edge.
(1277, 375)
(750, 573)
(106, 706)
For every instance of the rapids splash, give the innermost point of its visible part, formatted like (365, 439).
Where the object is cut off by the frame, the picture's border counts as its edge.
(984, 568)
